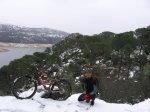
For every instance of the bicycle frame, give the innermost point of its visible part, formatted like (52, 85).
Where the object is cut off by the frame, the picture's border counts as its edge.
(39, 75)
(42, 75)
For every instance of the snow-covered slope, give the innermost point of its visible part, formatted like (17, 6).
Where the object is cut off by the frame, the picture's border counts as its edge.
(38, 104)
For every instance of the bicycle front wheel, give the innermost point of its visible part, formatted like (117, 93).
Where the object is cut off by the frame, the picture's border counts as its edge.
(24, 87)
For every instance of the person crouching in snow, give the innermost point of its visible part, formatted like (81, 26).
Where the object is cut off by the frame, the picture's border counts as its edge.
(89, 84)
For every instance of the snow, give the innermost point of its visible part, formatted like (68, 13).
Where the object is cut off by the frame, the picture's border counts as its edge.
(148, 57)
(38, 104)
(97, 62)
(131, 74)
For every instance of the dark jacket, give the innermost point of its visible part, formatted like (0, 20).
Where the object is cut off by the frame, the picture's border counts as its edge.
(89, 85)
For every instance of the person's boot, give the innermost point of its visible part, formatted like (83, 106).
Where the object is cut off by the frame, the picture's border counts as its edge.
(92, 102)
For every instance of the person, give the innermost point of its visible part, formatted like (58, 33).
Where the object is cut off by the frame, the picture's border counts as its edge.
(89, 85)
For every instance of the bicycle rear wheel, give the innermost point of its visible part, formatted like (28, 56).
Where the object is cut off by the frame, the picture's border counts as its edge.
(24, 87)
(61, 90)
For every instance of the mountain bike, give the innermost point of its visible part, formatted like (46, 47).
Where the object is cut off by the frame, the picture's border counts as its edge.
(26, 86)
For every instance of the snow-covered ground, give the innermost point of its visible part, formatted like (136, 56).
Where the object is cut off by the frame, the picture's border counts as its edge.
(38, 104)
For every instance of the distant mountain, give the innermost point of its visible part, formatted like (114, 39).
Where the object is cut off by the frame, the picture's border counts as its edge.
(17, 34)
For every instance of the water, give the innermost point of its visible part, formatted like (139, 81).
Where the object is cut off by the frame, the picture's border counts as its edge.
(16, 53)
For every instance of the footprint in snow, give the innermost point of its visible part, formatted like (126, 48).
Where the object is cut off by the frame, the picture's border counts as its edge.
(58, 106)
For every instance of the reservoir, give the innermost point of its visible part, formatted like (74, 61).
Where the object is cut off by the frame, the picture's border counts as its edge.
(16, 53)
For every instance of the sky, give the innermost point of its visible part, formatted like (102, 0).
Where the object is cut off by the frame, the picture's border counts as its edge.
(83, 16)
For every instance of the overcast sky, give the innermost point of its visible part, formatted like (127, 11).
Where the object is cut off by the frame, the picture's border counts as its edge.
(83, 16)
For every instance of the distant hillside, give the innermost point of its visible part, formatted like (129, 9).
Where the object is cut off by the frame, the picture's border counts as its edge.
(17, 34)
